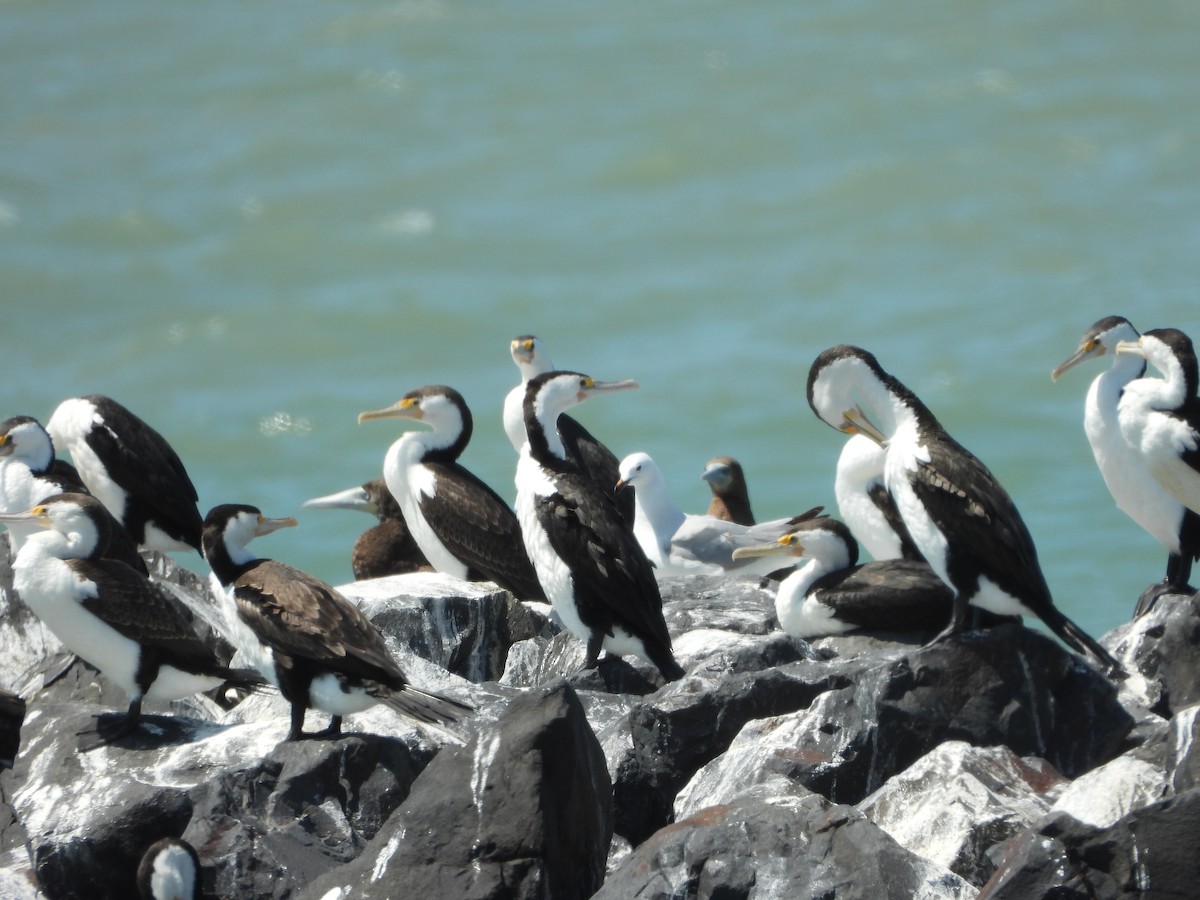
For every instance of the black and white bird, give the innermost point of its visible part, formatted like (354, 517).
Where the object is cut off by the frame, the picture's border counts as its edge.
(595, 574)
(679, 543)
(387, 548)
(461, 525)
(1133, 486)
(307, 639)
(30, 472)
(169, 870)
(959, 516)
(831, 594)
(1160, 417)
(730, 496)
(865, 504)
(131, 469)
(582, 447)
(137, 633)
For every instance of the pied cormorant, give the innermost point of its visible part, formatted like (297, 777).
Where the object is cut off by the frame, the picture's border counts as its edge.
(137, 633)
(30, 472)
(461, 525)
(307, 639)
(831, 594)
(865, 504)
(1160, 417)
(582, 447)
(594, 572)
(131, 469)
(1136, 491)
(959, 516)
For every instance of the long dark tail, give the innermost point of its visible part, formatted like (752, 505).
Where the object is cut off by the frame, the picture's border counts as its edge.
(1081, 641)
(664, 660)
(245, 679)
(424, 706)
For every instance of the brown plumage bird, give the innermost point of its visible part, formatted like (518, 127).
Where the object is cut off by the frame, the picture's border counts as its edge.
(730, 498)
(303, 636)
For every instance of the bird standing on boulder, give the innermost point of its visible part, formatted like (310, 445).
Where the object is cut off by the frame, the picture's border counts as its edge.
(959, 516)
(460, 524)
(135, 632)
(594, 572)
(131, 469)
(307, 639)
(1125, 470)
(581, 446)
(1160, 420)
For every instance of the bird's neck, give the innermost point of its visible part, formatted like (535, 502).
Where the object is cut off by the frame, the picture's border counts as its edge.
(227, 560)
(795, 587)
(659, 511)
(541, 432)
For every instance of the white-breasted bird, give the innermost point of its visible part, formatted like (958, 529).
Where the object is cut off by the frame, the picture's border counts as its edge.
(304, 636)
(137, 633)
(961, 519)
(678, 543)
(593, 570)
(461, 524)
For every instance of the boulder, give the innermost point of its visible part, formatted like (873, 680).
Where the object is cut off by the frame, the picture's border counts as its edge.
(954, 803)
(1151, 852)
(777, 839)
(273, 814)
(523, 810)
(1158, 649)
(843, 726)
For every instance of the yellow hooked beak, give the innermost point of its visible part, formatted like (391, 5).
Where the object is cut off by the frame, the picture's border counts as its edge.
(266, 526)
(855, 421)
(37, 516)
(788, 544)
(408, 408)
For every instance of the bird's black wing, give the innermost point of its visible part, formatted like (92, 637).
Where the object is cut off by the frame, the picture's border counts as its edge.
(600, 463)
(980, 520)
(140, 460)
(480, 530)
(142, 611)
(894, 594)
(613, 578)
(886, 504)
(301, 616)
(1190, 414)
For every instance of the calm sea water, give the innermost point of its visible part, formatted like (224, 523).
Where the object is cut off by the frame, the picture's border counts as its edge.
(250, 221)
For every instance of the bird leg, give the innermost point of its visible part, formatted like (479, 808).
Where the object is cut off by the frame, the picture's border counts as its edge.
(333, 729)
(594, 645)
(958, 620)
(110, 731)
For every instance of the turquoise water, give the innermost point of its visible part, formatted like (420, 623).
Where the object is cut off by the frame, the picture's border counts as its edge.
(250, 221)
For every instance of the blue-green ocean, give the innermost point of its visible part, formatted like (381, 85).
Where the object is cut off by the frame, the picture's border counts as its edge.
(249, 221)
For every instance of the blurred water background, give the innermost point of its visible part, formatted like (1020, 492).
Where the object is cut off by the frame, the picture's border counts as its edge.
(250, 221)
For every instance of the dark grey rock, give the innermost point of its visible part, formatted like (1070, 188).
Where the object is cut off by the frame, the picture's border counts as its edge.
(1160, 648)
(465, 627)
(777, 840)
(846, 725)
(1149, 853)
(523, 810)
(292, 808)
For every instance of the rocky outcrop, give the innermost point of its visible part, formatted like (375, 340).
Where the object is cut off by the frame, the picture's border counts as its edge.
(997, 764)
